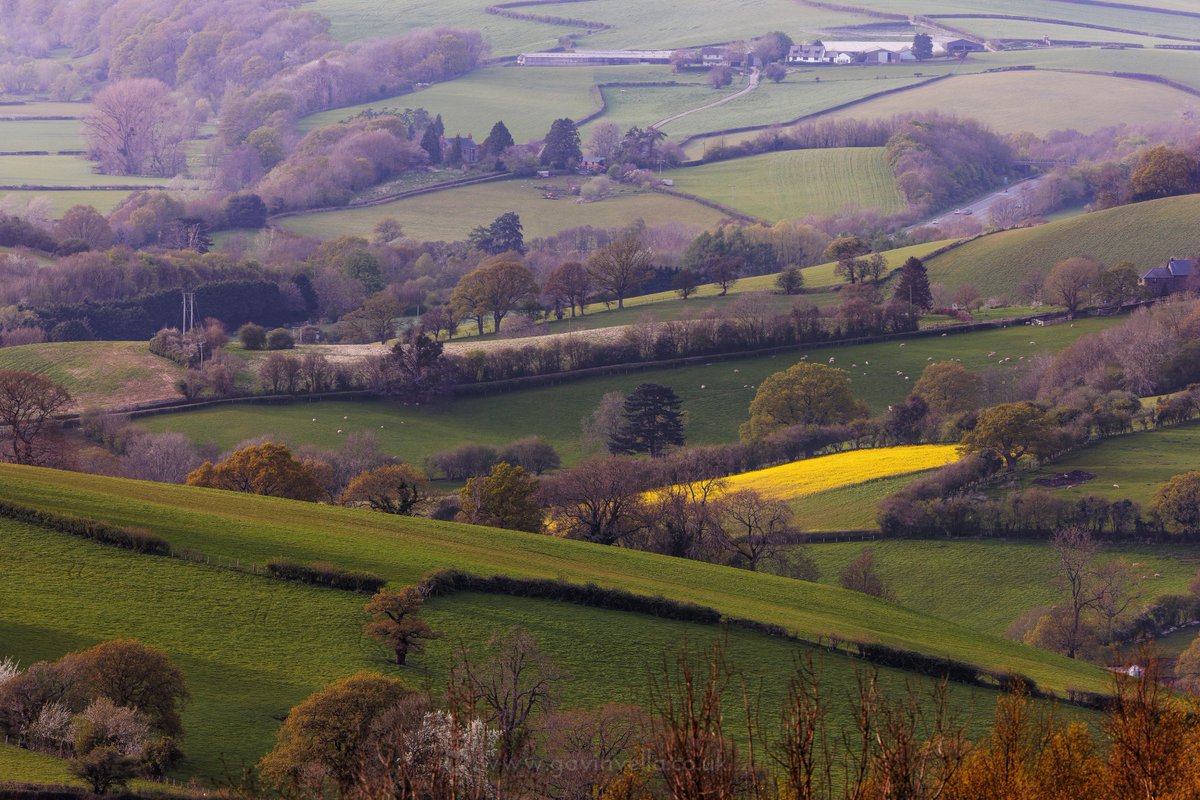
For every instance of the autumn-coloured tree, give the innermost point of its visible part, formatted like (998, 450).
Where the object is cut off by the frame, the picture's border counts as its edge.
(1011, 429)
(133, 674)
(85, 224)
(1164, 171)
(266, 468)
(505, 498)
(320, 745)
(391, 488)
(1177, 503)
(28, 406)
(397, 622)
(803, 394)
(848, 251)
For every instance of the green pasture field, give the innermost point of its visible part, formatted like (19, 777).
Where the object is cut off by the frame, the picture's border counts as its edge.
(63, 171)
(1176, 65)
(369, 19)
(790, 185)
(1141, 18)
(1132, 466)
(440, 215)
(946, 578)
(802, 92)
(251, 647)
(527, 99)
(103, 200)
(1145, 233)
(1034, 101)
(715, 396)
(228, 525)
(848, 507)
(1023, 29)
(627, 106)
(663, 24)
(44, 108)
(99, 374)
(40, 134)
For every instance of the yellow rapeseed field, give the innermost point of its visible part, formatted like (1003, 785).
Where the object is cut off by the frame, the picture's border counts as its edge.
(800, 478)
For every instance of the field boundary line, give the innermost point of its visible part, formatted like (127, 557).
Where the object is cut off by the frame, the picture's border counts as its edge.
(388, 198)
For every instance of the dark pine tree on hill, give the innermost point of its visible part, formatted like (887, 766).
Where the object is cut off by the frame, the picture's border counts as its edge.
(498, 140)
(431, 143)
(505, 234)
(913, 286)
(651, 422)
(562, 149)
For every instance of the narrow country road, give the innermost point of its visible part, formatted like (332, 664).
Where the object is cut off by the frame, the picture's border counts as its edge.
(754, 76)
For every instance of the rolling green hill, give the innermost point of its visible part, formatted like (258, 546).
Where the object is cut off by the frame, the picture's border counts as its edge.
(248, 528)
(716, 397)
(1145, 233)
(790, 185)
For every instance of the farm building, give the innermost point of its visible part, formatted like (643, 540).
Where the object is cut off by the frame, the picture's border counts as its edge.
(588, 58)
(1174, 276)
(851, 52)
(956, 46)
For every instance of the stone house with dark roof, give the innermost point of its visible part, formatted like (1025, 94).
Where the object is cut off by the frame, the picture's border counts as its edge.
(1174, 276)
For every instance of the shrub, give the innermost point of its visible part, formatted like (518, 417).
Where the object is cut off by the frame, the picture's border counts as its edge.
(253, 337)
(137, 539)
(322, 573)
(72, 330)
(466, 461)
(280, 339)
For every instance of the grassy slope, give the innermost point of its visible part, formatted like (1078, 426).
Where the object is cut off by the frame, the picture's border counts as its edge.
(946, 578)
(251, 528)
(251, 647)
(439, 216)
(103, 200)
(714, 412)
(1033, 101)
(778, 186)
(62, 171)
(847, 508)
(666, 23)
(528, 99)
(1144, 233)
(667, 305)
(1131, 466)
(109, 374)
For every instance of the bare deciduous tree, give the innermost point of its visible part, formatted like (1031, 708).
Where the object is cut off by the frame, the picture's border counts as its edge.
(136, 127)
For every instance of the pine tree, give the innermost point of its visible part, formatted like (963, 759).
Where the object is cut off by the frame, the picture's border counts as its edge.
(913, 286)
(454, 155)
(651, 421)
(431, 143)
(438, 127)
(498, 140)
(562, 150)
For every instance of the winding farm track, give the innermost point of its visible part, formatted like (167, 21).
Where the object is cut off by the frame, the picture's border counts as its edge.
(755, 75)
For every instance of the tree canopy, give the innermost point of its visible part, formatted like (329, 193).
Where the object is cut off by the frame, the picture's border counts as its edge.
(803, 394)
(651, 421)
(267, 468)
(1012, 430)
(562, 149)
